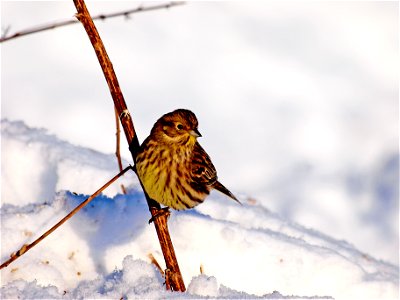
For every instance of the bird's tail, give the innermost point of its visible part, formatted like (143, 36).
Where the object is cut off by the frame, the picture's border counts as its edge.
(218, 186)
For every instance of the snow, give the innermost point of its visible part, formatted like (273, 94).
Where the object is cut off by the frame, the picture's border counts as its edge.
(203, 285)
(246, 251)
(308, 90)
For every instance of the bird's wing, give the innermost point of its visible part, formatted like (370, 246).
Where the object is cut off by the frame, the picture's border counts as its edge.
(203, 170)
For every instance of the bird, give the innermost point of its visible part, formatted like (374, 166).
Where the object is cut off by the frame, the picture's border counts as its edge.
(172, 167)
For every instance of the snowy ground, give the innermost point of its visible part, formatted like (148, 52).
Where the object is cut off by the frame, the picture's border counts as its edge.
(246, 251)
(308, 90)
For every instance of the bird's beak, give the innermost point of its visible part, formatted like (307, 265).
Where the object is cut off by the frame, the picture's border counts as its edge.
(195, 132)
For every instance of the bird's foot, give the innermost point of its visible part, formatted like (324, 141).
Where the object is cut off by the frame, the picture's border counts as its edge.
(159, 213)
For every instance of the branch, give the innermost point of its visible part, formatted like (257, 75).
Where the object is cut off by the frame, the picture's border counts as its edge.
(174, 278)
(25, 248)
(117, 148)
(125, 13)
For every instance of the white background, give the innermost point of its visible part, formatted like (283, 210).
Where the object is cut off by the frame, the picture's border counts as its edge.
(297, 102)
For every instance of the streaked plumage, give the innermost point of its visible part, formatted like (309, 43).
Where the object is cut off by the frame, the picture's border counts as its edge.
(172, 166)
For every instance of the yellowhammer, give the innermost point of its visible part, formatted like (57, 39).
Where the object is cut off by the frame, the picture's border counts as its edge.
(174, 169)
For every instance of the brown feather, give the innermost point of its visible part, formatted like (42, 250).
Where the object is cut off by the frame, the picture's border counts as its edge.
(172, 166)
(218, 186)
(203, 170)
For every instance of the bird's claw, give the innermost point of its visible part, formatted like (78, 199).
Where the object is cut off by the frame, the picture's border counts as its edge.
(159, 213)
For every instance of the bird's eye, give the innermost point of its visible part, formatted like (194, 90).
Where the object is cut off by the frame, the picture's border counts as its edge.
(179, 126)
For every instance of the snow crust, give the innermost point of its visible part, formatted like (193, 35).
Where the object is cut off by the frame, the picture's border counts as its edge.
(246, 251)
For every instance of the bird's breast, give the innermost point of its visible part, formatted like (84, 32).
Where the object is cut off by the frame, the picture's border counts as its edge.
(166, 177)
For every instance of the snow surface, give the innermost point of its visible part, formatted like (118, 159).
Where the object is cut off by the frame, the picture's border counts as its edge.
(312, 86)
(246, 251)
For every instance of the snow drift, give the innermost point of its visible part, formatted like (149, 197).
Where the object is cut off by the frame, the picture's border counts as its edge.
(246, 251)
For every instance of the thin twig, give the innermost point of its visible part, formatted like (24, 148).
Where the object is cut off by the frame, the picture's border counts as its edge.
(27, 247)
(173, 277)
(117, 148)
(154, 261)
(125, 13)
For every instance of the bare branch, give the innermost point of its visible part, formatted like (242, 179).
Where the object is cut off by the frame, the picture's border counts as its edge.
(117, 148)
(125, 13)
(201, 269)
(154, 261)
(174, 279)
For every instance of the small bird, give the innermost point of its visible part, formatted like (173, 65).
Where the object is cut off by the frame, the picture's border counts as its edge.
(173, 168)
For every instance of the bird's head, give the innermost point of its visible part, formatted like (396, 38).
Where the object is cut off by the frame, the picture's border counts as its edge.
(178, 126)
